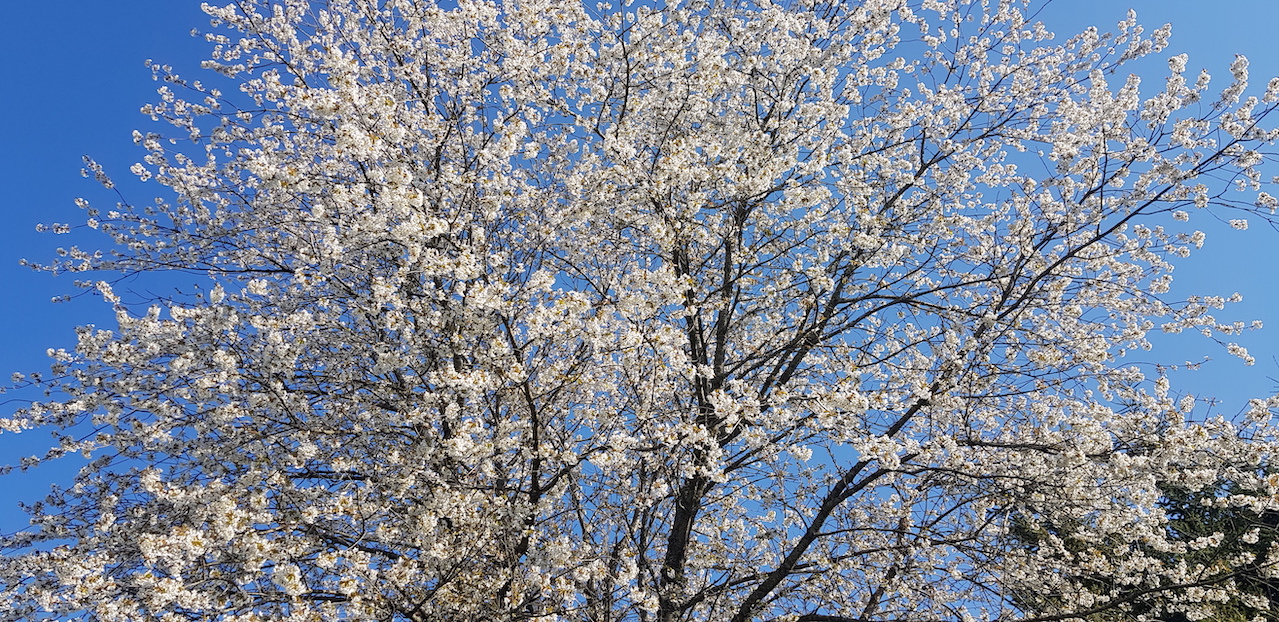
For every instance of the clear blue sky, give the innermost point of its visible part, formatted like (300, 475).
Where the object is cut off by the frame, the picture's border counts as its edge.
(75, 78)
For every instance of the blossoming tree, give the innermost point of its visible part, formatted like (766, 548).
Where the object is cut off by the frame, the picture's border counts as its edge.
(1240, 541)
(541, 310)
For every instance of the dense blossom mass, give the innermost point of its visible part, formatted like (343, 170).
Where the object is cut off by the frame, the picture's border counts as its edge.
(543, 310)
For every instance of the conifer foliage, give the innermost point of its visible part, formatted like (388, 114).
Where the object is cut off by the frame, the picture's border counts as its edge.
(547, 310)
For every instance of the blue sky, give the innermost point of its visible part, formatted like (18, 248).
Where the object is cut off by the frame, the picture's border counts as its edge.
(75, 78)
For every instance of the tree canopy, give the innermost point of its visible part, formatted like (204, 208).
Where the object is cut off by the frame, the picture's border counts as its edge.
(1205, 528)
(545, 310)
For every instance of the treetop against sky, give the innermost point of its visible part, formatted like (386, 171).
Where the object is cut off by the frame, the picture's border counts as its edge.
(539, 310)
